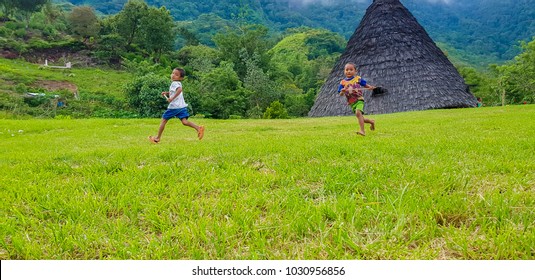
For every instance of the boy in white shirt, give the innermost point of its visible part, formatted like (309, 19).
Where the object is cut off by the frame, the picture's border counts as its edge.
(177, 106)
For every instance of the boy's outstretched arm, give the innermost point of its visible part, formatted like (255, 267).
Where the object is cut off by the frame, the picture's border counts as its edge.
(165, 94)
(177, 93)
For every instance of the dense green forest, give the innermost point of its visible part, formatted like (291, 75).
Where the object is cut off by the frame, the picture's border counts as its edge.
(479, 31)
(251, 59)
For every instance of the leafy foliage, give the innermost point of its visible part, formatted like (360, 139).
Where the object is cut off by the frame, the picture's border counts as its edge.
(25, 7)
(84, 22)
(144, 94)
(276, 111)
(518, 77)
(481, 84)
(222, 93)
(157, 32)
(485, 30)
(247, 41)
(128, 22)
(200, 58)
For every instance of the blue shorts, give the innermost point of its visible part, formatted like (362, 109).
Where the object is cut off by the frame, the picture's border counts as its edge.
(181, 113)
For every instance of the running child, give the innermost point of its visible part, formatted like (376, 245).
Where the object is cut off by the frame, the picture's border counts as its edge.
(177, 106)
(350, 87)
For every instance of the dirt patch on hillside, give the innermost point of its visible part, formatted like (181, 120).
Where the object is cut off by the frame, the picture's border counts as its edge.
(60, 57)
(54, 56)
(8, 54)
(58, 85)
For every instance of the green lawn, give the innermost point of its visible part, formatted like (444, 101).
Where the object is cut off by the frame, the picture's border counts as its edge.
(442, 184)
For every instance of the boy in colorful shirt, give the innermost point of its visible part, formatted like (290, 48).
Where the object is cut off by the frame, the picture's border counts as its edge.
(350, 88)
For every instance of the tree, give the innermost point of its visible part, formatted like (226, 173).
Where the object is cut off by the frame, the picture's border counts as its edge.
(109, 48)
(190, 37)
(157, 32)
(222, 93)
(263, 91)
(201, 58)
(52, 12)
(481, 84)
(84, 23)
(27, 7)
(204, 27)
(8, 7)
(250, 39)
(518, 77)
(128, 20)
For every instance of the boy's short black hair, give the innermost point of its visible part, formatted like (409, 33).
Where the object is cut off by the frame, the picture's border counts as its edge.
(352, 64)
(181, 71)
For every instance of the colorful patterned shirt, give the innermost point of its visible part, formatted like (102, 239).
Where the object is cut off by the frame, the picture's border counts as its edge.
(353, 84)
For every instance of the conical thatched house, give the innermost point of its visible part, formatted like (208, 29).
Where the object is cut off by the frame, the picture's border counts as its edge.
(392, 50)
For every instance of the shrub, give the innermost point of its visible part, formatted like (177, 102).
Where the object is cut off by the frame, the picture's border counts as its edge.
(20, 33)
(14, 25)
(36, 101)
(36, 43)
(141, 67)
(10, 101)
(276, 111)
(21, 88)
(254, 113)
(5, 32)
(11, 44)
(144, 94)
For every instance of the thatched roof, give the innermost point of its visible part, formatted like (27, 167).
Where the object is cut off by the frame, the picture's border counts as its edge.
(391, 49)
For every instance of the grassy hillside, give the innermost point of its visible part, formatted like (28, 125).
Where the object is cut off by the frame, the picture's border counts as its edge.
(444, 184)
(99, 90)
(89, 80)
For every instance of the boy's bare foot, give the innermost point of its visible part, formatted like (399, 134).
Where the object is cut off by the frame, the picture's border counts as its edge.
(154, 140)
(201, 132)
(361, 133)
(372, 125)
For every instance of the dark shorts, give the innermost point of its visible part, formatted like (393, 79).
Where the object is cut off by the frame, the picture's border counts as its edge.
(181, 113)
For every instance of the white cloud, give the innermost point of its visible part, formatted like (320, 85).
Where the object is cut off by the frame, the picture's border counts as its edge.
(440, 1)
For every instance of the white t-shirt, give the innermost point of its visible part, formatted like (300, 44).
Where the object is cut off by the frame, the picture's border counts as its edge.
(178, 102)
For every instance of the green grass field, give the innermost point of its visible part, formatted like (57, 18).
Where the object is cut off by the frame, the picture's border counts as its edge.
(441, 184)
